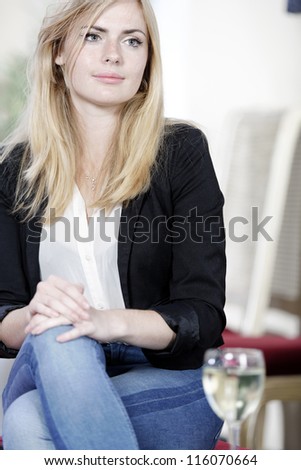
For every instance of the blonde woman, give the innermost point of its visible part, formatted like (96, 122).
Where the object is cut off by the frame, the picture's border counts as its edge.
(112, 246)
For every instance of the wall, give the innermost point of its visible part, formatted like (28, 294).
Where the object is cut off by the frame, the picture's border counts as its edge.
(19, 22)
(220, 55)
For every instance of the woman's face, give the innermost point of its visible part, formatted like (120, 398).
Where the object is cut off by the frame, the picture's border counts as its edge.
(109, 69)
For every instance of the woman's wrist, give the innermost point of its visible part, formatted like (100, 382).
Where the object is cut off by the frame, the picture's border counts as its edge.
(142, 328)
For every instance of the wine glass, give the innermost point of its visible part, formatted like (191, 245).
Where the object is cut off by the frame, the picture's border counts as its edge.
(233, 381)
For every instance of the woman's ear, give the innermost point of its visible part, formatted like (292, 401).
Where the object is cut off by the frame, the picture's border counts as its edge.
(60, 59)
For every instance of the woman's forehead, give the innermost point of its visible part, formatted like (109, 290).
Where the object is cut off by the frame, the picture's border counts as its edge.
(121, 14)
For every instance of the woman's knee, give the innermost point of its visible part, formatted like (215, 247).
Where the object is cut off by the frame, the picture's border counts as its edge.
(46, 340)
(45, 346)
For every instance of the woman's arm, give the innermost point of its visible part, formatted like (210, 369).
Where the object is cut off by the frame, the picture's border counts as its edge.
(14, 295)
(55, 299)
(12, 328)
(192, 303)
(142, 328)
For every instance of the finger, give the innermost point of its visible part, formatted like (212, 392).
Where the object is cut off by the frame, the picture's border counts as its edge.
(45, 324)
(60, 297)
(80, 287)
(67, 307)
(74, 333)
(75, 291)
(36, 307)
(50, 306)
(35, 320)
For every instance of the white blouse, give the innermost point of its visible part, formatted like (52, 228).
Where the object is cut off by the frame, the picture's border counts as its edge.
(84, 252)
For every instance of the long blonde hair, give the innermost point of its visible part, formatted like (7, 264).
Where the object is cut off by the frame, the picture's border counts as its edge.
(48, 128)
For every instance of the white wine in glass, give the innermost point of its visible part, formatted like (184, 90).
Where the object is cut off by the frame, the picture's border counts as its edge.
(233, 381)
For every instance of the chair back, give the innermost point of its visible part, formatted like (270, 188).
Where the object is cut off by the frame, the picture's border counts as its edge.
(263, 178)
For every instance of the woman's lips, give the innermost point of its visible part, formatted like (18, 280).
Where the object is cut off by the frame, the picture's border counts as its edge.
(109, 78)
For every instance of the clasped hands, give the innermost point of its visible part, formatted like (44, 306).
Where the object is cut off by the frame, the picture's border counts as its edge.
(58, 302)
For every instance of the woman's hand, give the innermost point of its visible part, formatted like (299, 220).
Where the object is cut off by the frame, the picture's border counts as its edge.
(56, 297)
(97, 325)
(40, 323)
(142, 328)
(58, 302)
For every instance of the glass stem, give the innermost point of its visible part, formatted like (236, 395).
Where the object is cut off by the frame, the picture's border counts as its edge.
(234, 435)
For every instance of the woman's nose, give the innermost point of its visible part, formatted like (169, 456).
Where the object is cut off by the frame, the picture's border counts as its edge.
(111, 59)
(112, 54)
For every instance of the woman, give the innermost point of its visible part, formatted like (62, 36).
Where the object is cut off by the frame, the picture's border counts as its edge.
(112, 248)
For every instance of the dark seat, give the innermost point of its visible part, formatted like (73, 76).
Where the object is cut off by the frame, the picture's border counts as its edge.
(282, 355)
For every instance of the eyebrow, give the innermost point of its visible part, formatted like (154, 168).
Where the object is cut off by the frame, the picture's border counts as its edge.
(126, 31)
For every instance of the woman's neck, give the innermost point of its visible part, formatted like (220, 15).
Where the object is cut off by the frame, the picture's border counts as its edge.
(97, 133)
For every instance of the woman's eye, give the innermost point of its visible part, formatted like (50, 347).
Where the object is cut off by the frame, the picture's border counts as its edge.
(133, 42)
(92, 37)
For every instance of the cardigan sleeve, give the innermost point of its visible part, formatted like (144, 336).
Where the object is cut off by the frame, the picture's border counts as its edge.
(195, 308)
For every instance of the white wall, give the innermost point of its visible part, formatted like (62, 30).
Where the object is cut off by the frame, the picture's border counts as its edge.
(220, 55)
(19, 22)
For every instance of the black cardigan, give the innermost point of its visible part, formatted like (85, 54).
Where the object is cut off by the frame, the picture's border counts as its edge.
(171, 249)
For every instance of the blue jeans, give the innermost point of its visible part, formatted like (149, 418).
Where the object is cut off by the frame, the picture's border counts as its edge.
(85, 395)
